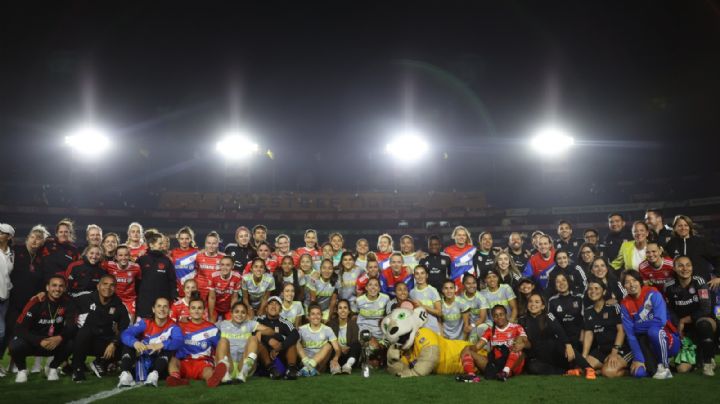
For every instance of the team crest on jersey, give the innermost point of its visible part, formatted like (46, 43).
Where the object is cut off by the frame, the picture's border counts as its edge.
(692, 291)
(575, 305)
(111, 311)
(92, 307)
(605, 316)
(559, 309)
(422, 340)
(161, 266)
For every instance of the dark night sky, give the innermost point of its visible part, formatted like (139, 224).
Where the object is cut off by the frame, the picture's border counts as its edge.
(636, 81)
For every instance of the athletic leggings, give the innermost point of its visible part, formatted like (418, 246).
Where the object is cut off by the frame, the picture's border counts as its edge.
(662, 345)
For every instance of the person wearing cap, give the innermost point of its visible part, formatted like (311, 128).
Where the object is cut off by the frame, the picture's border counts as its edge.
(281, 346)
(7, 260)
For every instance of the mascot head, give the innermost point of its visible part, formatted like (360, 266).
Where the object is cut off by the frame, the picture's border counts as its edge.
(401, 326)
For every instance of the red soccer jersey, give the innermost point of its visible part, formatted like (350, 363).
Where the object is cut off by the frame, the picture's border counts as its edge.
(383, 259)
(278, 259)
(224, 289)
(316, 255)
(270, 263)
(204, 268)
(200, 340)
(137, 252)
(503, 336)
(126, 280)
(180, 311)
(657, 277)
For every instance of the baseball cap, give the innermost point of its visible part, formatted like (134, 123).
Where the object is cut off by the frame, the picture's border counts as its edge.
(275, 299)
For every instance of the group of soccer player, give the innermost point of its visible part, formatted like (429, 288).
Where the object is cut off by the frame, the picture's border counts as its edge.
(641, 302)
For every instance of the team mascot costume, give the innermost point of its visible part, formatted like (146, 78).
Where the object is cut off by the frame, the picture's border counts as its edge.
(414, 350)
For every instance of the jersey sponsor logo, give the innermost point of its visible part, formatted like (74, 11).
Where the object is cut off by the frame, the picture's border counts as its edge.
(703, 294)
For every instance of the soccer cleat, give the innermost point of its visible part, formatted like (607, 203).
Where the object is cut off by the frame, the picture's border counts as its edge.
(97, 368)
(662, 373)
(468, 378)
(335, 370)
(21, 376)
(126, 380)
(347, 369)
(52, 375)
(152, 379)
(66, 370)
(3, 372)
(709, 369)
(78, 376)
(573, 372)
(227, 379)
(173, 381)
(241, 377)
(217, 375)
(502, 376)
(590, 374)
(291, 373)
(304, 372)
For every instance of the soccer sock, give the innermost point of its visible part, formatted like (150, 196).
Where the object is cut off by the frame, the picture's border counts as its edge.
(309, 362)
(175, 375)
(468, 364)
(707, 345)
(248, 363)
(512, 359)
(350, 362)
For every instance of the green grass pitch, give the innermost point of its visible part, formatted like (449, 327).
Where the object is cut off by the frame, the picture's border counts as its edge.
(382, 388)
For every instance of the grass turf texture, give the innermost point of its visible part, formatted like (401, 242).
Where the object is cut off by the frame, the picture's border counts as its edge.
(379, 388)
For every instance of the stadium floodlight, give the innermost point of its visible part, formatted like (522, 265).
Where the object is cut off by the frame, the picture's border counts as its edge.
(552, 141)
(236, 145)
(88, 140)
(407, 146)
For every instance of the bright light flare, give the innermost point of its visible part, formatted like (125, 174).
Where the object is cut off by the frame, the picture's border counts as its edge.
(88, 141)
(552, 142)
(235, 146)
(407, 147)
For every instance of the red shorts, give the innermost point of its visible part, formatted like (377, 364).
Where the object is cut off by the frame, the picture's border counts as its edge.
(193, 368)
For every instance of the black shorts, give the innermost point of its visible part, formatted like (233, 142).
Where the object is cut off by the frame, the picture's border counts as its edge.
(601, 352)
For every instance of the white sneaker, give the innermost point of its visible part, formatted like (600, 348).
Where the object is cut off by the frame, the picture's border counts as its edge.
(662, 373)
(37, 365)
(709, 369)
(126, 380)
(241, 376)
(52, 375)
(14, 368)
(346, 368)
(226, 379)
(21, 376)
(152, 379)
(3, 372)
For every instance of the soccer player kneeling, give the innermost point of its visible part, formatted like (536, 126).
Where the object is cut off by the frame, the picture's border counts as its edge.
(194, 359)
